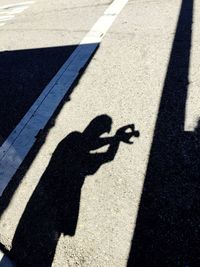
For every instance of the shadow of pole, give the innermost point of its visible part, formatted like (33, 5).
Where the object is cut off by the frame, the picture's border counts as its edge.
(167, 217)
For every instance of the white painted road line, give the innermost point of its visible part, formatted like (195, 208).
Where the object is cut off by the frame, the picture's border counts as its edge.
(5, 261)
(5, 18)
(20, 141)
(8, 12)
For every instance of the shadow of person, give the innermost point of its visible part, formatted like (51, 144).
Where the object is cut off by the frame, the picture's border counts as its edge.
(54, 205)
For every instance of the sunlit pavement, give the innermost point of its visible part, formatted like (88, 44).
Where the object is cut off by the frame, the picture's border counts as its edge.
(124, 80)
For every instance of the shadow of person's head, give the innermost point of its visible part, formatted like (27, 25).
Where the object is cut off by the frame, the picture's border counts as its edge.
(98, 126)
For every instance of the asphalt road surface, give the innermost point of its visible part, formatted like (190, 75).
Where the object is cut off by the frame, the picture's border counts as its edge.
(77, 188)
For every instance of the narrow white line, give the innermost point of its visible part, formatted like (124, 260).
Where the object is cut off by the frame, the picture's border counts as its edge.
(16, 5)
(5, 261)
(13, 11)
(6, 18)
(20, 141)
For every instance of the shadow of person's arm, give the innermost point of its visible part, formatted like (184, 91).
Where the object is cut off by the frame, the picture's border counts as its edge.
(97, 159)
(121, 136)
(109, 155)
(100, 142)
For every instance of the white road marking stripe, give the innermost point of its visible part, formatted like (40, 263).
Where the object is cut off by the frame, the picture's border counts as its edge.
(20, 141)
(8, 12)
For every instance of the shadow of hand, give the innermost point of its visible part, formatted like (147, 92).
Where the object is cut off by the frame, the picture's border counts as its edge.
(125, 133)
